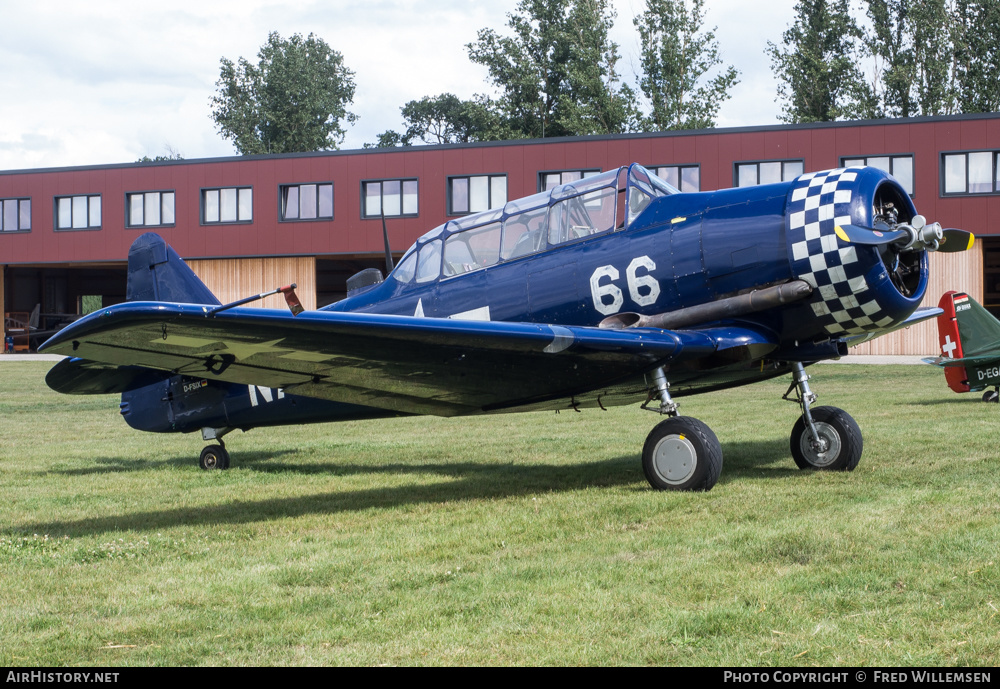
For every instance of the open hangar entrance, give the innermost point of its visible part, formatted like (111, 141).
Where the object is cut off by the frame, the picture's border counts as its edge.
(74, 290)
(332, 274)
(40, 299)
(43, 298)
(991, 274)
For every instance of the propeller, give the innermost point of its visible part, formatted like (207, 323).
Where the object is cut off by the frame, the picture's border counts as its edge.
(868, 236)
(955, 240)
(917, 235)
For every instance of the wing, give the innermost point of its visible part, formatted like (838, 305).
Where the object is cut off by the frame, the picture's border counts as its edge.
(919, 316)
(414, 365)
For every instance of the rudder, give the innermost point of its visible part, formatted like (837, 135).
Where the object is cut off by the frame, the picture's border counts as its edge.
(950, 340)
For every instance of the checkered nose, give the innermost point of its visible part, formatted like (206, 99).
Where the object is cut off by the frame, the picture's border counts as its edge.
(853, 293)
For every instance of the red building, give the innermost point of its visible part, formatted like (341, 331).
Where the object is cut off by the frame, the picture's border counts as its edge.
(248, 224)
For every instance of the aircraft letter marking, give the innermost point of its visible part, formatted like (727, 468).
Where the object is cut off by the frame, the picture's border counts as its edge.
(264, 392)
(987, 373)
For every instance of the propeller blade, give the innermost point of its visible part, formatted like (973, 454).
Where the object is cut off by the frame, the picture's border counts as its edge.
(866, 236)
(956, 240)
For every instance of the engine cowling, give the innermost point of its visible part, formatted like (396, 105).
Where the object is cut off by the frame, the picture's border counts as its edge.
(857, 288)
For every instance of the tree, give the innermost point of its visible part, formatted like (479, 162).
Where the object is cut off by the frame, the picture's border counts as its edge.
(977, 55)
(676, 56)
(294, 99)
(912, 44)
(446, 119)
(817, 68)
(556, 73)
(172, 154)
(387, 139)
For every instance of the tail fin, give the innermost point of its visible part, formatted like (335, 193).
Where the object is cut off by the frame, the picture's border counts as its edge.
(157, 273)
(968, 331)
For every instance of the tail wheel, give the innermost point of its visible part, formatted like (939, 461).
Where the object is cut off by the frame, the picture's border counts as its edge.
(214, 457)
(682, 453)
(838, 447)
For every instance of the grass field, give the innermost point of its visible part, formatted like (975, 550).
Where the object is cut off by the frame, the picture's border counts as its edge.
(526, 539)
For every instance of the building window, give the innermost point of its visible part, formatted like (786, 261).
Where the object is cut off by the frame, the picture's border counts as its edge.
(974, 172)
(307, 201)
(900, 167)
(78, 212)
(393, 197)
(683, 177)
(550, 180)
(149, 209)
(15, 215)
(227, 205)
(476, 193)
(767, 172)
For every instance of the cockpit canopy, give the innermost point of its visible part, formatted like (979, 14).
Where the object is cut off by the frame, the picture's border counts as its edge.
(568, 213)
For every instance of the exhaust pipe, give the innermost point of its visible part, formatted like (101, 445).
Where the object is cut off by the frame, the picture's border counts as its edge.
(730, 307)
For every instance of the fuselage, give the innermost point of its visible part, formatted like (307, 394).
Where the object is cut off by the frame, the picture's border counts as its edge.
(681, 250)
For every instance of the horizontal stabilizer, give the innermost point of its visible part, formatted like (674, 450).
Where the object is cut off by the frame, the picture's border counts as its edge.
(73, 376)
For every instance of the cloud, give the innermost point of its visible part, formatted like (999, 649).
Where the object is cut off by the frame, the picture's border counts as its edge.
(106, 82)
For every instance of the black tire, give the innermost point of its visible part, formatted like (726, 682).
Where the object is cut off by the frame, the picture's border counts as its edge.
(991, 396)
(842, 436)
(682, 453)
(214, 457)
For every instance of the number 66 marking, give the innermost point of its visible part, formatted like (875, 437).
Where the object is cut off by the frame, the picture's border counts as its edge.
(599, 293)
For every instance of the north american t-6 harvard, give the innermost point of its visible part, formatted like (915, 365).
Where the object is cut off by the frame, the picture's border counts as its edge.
(616, 289)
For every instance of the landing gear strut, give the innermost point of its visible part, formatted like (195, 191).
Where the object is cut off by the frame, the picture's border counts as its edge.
(214, 456)
(992, 395)
(680, 453)
(823, 437)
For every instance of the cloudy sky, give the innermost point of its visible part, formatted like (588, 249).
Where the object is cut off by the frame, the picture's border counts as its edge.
(85, 83)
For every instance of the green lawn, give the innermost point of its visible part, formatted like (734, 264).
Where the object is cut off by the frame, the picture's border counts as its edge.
(527, 539)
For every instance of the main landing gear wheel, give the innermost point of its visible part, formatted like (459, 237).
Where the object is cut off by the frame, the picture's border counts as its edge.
(682, 453)
(991, 396)
(838, 447)
(214, 457)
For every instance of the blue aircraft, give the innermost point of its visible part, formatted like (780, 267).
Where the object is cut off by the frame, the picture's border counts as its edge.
(617, 289)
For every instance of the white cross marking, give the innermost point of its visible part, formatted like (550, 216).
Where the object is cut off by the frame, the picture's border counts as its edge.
(948, 347)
